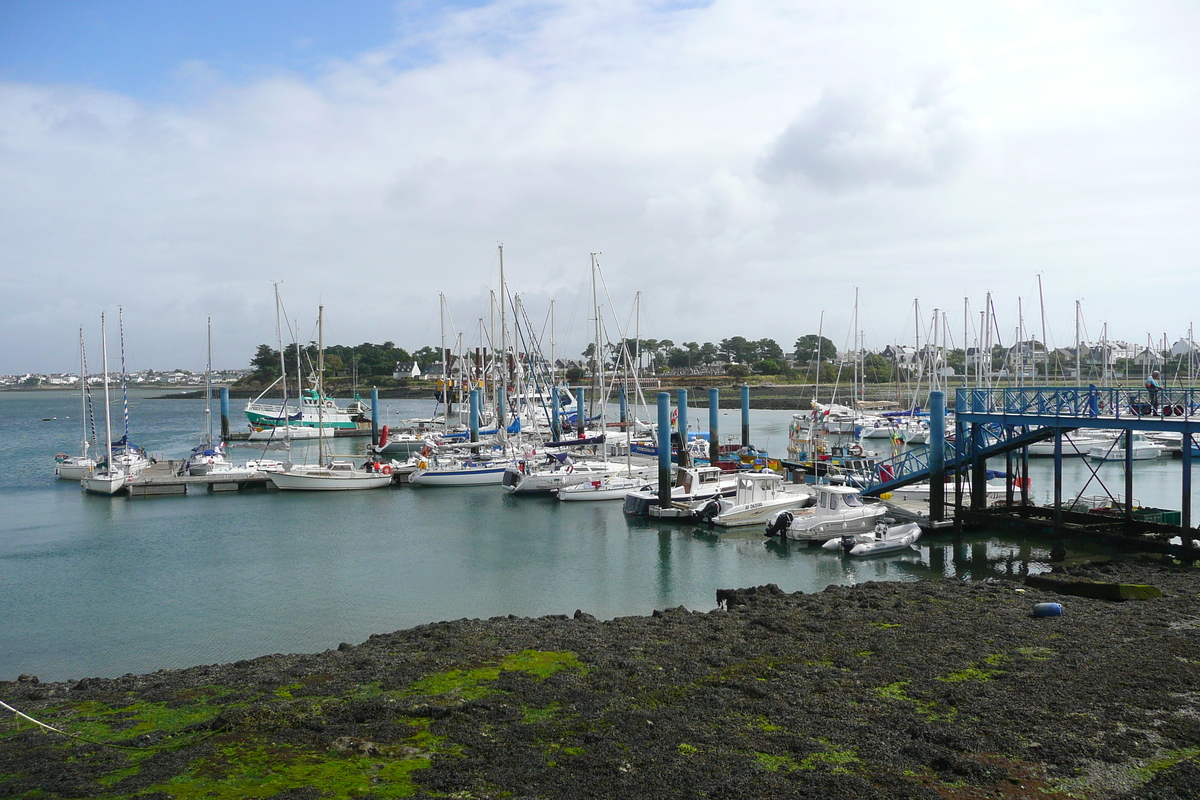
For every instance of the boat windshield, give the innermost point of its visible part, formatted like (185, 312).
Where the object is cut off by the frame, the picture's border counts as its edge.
(852, 500)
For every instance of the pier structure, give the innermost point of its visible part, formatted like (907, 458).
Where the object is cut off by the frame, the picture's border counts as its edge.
(994, 422)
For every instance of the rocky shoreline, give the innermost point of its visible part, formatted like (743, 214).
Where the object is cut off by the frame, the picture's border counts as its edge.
(933, 689)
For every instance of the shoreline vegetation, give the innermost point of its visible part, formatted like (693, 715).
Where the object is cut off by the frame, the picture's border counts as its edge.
(766, 395)
(931, 689)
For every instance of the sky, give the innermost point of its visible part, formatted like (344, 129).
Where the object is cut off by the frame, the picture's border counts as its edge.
(741, 168)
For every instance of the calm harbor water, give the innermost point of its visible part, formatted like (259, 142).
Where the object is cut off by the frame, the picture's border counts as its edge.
(100, 586)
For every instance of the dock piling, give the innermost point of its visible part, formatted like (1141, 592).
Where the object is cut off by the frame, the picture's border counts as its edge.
(375, 414)
(664, 449)
(745, 415)
(714, 416)
(224, 413)
(474, 415)
(937, 456)
(684, 460)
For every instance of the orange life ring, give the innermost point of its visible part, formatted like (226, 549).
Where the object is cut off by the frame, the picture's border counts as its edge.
(856, 449)
(386, 469)
(570, 468)
(329, 404)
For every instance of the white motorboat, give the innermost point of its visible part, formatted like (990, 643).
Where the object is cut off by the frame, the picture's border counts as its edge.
(614, 487)
(839, 510)
(334, 476)
(1073, 444)
(555, 471)
(279, 433)
(758, 495)
(692, 484)
(996, 491)
(401, 443)
(1143, 449)
(885, 537)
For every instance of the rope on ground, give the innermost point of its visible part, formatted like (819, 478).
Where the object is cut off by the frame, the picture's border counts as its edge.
(52, 729)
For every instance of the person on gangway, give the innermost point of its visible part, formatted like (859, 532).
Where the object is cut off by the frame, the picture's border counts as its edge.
(1153, 387)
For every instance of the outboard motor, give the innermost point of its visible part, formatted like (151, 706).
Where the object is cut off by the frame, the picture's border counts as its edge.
(711, 509)
(779, 523)
(848, 543)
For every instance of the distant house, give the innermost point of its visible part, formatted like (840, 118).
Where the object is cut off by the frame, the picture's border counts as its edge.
(1183, 347)
(406, 369)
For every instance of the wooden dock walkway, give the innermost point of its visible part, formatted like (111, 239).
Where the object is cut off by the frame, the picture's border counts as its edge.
(164, 478)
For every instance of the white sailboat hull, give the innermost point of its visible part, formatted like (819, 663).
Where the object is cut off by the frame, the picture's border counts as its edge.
(322, 479)
(106, 483)
(459, 476)
(75, 469)
(612, 489)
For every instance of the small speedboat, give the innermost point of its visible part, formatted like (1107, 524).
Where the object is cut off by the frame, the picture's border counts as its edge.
(839, 511)
(758, 496)
(885, 537)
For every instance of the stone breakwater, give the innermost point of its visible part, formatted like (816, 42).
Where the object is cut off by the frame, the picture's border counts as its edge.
(936, 689)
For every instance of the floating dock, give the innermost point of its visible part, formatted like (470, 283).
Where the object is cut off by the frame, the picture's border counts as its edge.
(163, 479)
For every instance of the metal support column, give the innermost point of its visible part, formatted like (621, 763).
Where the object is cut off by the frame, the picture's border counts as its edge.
(664, 449)
(714, 417)
(684, 459)
(1128, 477)
(937, 456)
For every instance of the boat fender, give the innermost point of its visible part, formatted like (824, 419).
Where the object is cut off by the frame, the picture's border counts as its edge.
(383, 436)
(386, 469)
(1048, 610)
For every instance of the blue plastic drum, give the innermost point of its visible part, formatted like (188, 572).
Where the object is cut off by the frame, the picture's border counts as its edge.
(1048, 610)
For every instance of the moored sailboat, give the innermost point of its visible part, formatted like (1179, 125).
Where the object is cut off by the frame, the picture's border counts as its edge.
(107, 478)
(336, 474)
(74, 468)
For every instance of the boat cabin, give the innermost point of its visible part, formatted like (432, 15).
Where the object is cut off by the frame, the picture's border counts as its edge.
(835, 497)
(757, 487)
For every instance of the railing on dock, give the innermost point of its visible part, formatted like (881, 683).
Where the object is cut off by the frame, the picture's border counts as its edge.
(1080, 402)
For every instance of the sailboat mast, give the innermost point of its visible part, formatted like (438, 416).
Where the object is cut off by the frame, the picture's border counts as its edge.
(107, 415)
(598, 372)
(966, 342)
(1078, 360)
(856, 364)
(208, 383)
(445, 358)
(83, 438)
(283, 364)
(124, 379)
(320, 385)
(1045, 341)
(502, 389)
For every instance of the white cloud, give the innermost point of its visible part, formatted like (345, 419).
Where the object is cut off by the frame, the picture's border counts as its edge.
(726, 158)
